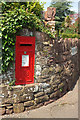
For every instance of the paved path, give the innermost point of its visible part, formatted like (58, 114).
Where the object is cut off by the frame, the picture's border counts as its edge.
(65, 107)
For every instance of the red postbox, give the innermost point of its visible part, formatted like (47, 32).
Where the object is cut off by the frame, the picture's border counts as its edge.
(24, 60)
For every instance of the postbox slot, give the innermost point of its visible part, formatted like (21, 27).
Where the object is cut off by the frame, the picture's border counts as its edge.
(25, 44)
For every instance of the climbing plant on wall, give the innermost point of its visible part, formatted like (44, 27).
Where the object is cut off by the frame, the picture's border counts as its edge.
(15, 17)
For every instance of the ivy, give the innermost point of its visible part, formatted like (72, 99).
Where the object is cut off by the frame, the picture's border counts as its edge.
(16, 17)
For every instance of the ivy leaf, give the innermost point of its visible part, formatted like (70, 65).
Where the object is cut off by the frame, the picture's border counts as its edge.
(6, 36)
(6, 49)
(0, 34)
(11, 53)
(3, 29)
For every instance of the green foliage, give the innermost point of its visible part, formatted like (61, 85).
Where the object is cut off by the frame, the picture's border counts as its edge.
(30, 7)
(61, 89)
(67, 31)
(62, 10)
(64, 35)
(70, 27)
(16, 17)
(12, 83)
(35, 77)
(10, 88)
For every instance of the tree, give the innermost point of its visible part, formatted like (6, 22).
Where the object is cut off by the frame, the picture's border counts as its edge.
(62, 10)
(67, 21)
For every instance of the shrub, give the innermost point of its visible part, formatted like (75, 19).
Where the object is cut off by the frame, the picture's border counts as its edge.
(64, 35)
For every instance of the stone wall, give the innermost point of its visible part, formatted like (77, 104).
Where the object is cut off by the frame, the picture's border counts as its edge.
(56, 72)
(26, 97)
(8, 76)
(57, 59)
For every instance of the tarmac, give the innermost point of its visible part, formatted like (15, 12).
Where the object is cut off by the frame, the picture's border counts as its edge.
(65, 107)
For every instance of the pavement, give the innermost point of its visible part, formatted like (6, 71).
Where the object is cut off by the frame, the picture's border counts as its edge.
(65, 107)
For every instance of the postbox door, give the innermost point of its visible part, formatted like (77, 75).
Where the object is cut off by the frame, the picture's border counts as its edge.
(24, 61)
(25, 67)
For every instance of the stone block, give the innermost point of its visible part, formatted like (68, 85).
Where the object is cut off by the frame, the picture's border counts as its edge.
(45, 77)
(36, 89)
(46, 43)
(39, 36)
(58, 69)
(24, 98)
(45, 71)
(67, 71)
(9, 111)
(9, 107)
(39, 48)
(48, 102)
(49, 12)
(53, 78)
(55, 89)
(44, 80)
(18, 88)
(57, 81)
(45, 15)
(51, 23)
(55, 94)
(2, 106)
(30, 96)
(62, 84)
(39, 94)
(7, 100)
(48, 19)
(41, 99)
(38, 69)
(42, 86)
(39, 105)
(65, 88)
(5, 105)
(10, 93)
(48, 90)
(51, 69)
(3, 90)
(17, 100)
(28, 89)
(29, 108)
(29, 103)
(2, 111)
(17, 108)
(17, 93)
(53, 86)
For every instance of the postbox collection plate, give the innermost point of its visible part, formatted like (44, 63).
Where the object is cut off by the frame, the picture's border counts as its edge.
(24, 61)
